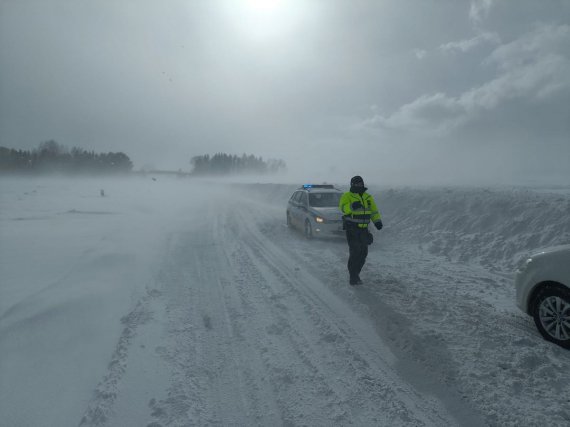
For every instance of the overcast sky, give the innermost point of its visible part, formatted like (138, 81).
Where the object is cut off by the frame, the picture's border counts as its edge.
(390, 89)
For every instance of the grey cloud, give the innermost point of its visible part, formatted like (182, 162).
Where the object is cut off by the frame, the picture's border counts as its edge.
(468, 44)
(420, 53)
(544, 40)
(531, 68)
(433, 113)
(479, 10)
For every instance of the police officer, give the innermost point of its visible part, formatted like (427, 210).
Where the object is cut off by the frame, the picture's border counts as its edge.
(359, 209)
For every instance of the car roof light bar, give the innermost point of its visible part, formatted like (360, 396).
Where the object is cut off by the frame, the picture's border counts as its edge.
(307, 186)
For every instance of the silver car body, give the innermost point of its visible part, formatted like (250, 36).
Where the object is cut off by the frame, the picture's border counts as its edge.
(316, 205)
(548, 265)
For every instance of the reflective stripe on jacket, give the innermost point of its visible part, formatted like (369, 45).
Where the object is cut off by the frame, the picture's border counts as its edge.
(361, 217)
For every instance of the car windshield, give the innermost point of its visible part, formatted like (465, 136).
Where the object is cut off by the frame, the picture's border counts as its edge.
(324, 200)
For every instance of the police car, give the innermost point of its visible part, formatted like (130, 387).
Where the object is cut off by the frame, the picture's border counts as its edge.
(313, 209)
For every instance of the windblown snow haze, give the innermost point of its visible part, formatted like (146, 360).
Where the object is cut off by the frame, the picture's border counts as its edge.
(140, 290)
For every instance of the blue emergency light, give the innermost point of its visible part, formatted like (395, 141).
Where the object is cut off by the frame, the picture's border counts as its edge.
(307, 186)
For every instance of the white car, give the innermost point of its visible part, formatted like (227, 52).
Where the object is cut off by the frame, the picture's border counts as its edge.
(313, 208)
(543, 291)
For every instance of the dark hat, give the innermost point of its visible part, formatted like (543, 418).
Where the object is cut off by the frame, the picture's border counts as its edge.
(356, 181)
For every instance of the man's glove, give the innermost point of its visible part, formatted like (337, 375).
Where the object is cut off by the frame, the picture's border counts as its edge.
(356, 205)
(378, 224)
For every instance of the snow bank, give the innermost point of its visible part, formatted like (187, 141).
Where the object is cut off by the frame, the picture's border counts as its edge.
(491, 227)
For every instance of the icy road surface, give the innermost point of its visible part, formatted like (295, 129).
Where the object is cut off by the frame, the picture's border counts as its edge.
(241, 321)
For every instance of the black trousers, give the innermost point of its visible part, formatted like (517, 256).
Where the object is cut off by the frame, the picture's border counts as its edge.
(358, 250)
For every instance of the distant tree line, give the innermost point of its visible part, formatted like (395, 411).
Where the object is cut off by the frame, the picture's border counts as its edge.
(51, 156)
(225, 164)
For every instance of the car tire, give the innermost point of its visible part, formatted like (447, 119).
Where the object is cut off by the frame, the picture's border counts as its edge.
(308, 230)
(289, 220)
(551, 313)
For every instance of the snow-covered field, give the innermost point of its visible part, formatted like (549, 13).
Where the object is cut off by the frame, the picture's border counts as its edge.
(173, 302)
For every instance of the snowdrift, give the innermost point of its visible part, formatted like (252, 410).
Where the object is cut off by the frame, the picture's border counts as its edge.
(491, 227)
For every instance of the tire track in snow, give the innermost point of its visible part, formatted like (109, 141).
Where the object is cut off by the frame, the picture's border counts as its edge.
(216, 376)
(100, 407)
(295, 379)
(352, 340)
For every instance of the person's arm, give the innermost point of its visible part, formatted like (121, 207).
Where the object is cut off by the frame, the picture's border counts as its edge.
(375, 217)
(344, 204)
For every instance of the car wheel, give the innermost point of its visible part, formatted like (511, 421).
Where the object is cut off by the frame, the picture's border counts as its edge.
(289, 220)
(551, 313)
(308, 230)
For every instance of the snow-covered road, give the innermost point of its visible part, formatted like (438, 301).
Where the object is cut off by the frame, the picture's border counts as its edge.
(252, 334)
(241, 321)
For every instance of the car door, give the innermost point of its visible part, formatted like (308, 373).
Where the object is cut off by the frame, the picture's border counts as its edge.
(303, 208)
(291, 208)
(294, 208)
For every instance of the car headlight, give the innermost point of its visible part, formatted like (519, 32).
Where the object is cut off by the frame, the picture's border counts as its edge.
(319, 219)
(524, 263)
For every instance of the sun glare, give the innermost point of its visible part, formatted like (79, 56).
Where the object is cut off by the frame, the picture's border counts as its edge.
(263, 19)
(264, 5)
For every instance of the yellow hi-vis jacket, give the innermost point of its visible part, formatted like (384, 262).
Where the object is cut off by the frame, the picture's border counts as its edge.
(360, 217)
